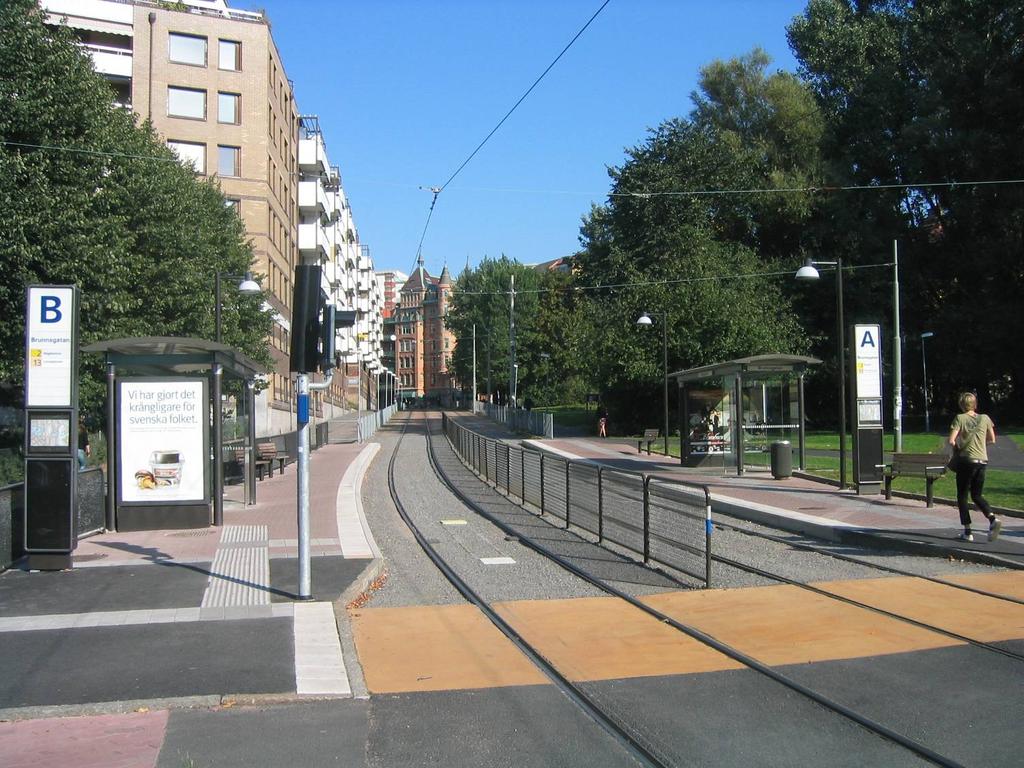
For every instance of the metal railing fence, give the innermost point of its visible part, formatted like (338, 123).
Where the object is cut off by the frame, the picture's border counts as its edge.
(664, 521)
(521, 420)
(370, 422)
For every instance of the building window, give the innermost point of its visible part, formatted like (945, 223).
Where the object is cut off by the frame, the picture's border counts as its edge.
(230, 55)
(234, 204)
(190, 153)
(186, 49)
(227, 108)
(186, 102)
(229, 161)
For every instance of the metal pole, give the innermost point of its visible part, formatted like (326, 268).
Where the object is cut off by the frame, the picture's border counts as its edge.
(218, 448)
(112, 447)
(216, 309)
(841, 354)
(924, 377)
(472, 408)
(512, 343)
(897, 353)
(250, 448)
(664, 349)
(302, 474)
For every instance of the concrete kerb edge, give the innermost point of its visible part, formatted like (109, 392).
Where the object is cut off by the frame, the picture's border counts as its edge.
(350, 489)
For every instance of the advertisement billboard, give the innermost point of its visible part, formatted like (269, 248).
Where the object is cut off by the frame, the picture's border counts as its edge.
(162, 441)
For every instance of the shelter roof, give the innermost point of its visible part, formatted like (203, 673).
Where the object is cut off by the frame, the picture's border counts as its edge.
(748, 366)
(176, 354)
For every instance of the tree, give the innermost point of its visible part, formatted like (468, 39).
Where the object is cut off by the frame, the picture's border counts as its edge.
(87, 197)
(481, 298)
(774, 120)
(930, 96)
(671, 242)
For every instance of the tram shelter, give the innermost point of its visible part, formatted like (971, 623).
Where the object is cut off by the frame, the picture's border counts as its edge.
(165, 430)
(730, 413)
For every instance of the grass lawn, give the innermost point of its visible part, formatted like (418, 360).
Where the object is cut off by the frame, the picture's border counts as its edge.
(572, 416)
(1002, 488)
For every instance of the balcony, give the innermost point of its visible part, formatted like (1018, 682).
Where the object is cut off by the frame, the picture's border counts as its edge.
(313, 198)
(113, 62)
(313, 155)
(313, 241)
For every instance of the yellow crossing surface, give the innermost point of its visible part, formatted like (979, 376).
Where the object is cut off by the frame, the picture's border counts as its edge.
(975, 616)
(436, 648)
(1008, 583)
(455, 647)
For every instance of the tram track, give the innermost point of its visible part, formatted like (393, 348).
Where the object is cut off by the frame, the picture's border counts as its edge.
(827, 552)
(648, 752)
(621, 733)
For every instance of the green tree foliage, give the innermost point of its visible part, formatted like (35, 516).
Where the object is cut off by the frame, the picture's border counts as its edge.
(774, 122)
(662, 244)
(481, 298)
(550, 331)
(87, 197)
(917, 93)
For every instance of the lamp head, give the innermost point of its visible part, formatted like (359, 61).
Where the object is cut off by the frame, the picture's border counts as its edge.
(807, 272)
(249, 286)
(927, 335)
(644, 320)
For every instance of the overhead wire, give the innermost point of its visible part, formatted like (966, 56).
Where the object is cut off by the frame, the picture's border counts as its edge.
(665, 193)
(437, 190)
(676, 281)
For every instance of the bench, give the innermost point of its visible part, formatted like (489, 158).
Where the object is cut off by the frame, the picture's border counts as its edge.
(650, 435)
(259, 464)
(267, 452)
(930, 466)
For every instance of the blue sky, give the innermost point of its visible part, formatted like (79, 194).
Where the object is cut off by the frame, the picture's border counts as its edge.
(406, 89)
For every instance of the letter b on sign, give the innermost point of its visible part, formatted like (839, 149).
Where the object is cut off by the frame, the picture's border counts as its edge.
(49, 309)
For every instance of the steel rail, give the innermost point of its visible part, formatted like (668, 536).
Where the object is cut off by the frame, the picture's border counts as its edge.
(866, 563)
(574, 693)
(735, 654)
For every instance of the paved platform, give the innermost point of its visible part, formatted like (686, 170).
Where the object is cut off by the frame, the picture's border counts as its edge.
(814, 508)
(178, 614)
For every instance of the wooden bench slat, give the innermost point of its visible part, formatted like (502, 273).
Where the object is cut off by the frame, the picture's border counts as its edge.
(930, 466)
(650, 435)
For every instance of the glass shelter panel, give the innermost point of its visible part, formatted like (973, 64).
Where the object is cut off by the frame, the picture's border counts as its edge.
(709, 426)
(770, 414)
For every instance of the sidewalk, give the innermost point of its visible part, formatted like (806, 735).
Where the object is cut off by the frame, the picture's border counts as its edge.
(816, 509)
(155, 620)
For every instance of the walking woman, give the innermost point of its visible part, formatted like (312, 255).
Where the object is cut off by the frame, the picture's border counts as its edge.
(969, 435)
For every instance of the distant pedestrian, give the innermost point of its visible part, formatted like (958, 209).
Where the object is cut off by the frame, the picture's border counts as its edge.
(84, 448)
(602, 423)
(969, 435)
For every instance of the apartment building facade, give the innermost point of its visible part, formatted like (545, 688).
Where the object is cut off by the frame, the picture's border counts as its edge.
(424, 346)
(211, 80)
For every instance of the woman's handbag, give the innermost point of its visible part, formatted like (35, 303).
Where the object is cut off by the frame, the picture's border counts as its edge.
(954, 460)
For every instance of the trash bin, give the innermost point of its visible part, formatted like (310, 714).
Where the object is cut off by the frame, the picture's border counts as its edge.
(782, 459)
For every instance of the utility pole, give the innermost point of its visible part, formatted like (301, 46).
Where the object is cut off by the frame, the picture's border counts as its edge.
(303, 388)
(512, 343)
(472, 407)
(897, 353)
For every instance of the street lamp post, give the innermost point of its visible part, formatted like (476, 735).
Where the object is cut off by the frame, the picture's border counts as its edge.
(808, 272)
(645, 321)
(924, 376)
(247, 286)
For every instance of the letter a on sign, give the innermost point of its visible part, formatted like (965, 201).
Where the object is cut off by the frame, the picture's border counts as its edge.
(868, 381)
